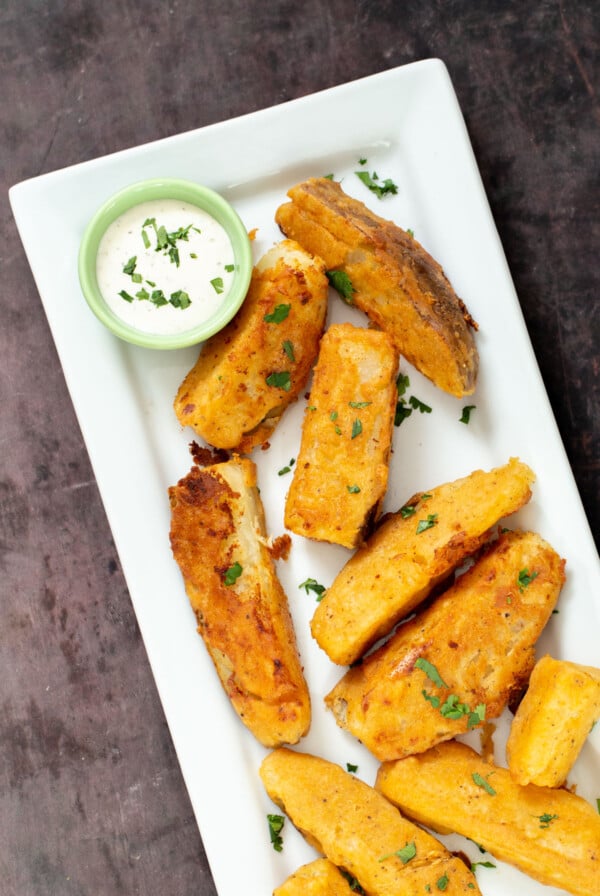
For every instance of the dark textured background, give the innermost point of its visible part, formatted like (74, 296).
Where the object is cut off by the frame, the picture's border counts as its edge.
(91, 798)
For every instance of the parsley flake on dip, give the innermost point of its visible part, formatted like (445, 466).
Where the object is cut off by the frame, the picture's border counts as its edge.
(165, 263)
(165, 266)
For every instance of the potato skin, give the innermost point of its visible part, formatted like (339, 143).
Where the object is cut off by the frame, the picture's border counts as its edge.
(358, 829)
(550, 834)
(318, 878)
(340, 478)
(397, 568)
(479, 635)
(553, 721)
(217, 520)
(225, 397)
(396, 282)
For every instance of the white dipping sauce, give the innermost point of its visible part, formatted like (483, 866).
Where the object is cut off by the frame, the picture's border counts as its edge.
(192, 268)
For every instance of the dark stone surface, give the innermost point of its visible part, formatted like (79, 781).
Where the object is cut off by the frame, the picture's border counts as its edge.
(91, 797)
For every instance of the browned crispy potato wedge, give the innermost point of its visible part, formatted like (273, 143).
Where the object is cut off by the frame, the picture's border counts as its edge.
(219, 541)
(399, 565)
(249, 372)
(394, 280)
(550, 834)
(553, 721)
(358, 830)
(341, 473)
(318, 878)
(459, 661)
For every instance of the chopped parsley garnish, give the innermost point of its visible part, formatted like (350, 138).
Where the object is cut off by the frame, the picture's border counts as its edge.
(341, 283)
(350, 767)
(442, 882)
(466, 413)
(166, 242)
(333, 415)
(405, 854)
(142, 294)
(410, 232)
(125, 295)
(352, 881)
(429, 523)
(474, 865)
(129, 267)
(545, 819)
(380, 188)
(402, 412)
(359, 404)
(279, 314)
(180, 299)
(525, 578)
(313, 585)
(217, 285)
(233, 573)
(287, 469)
(353, 489)
(229, 268)
(158, 298)
(419, 405)
(280, 380)
(408, 510)
(430, 671)
(356, 428)
(288, 349)
(276, 823)
(484, 783)
(402, 384)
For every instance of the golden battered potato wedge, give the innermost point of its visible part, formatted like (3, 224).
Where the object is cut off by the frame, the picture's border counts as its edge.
(550, 834)
(249, 372)
(410, 553)
(553, 721)
(394, 280)
(219, 541)
(458, 662)
(318, 878)
(358, 830)
(341, 473)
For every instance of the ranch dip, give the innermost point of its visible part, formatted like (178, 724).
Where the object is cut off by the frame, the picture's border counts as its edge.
(165, 266)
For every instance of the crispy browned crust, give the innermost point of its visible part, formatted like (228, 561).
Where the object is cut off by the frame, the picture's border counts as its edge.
(396, 282)
(398, 567)
(479, 635)
(225, 397)
(318, 878)
(341, 473)
(553, 721)
(216, 521)
(549, 833)
(358, 829)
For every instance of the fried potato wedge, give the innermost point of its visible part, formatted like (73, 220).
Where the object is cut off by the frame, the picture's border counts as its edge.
(459, 661)
(249, 372)
(410, 553)
(358, 830)
(394, 280)
(219, 541)
(550, 834)
(318, 878)
(341, 473)
(553, 721)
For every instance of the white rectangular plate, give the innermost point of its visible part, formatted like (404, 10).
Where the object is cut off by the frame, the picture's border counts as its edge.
(407, 124)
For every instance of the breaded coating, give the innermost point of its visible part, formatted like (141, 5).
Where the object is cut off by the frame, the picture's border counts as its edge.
(410, 553)
(459, 661)
(219, 541)
(550, 834)
(393, 280)
(553, 721)
(341, 473)
(249, 372)
(318, 878)
(358, 830)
